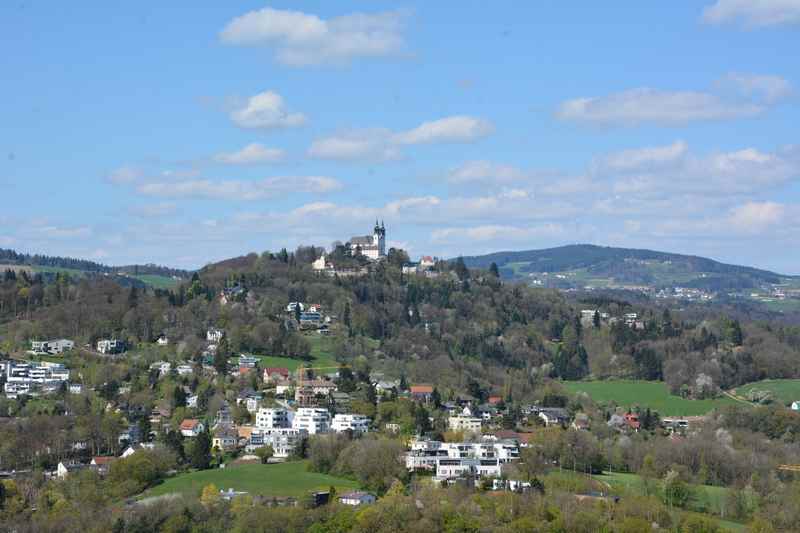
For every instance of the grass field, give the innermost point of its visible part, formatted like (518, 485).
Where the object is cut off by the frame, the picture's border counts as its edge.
(652, 394)
(784, 391)
(284, 479)
(709, 499)
(158, 282)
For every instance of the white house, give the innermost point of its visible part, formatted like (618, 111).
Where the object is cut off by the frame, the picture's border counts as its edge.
(184, 370)
(465, 423)
(313, 420)
(272, 418)
(109, 346)
(352, 422)
(191, 427)
(357, 498)
(283, 440)
(796, 406)
(65, 469)
(52, 347)
(214, 335)
(163, 367)
(162, 340)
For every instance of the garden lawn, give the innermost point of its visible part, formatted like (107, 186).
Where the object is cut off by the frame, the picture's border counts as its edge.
(282, 479)
(652, 394)
(784, 391)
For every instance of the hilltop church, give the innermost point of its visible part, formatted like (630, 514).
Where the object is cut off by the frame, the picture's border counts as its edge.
(370, 246)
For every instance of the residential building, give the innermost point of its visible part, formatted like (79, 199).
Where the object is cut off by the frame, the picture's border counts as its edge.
(247, 361)
(191, 427)
(275, 374)
(272, 418)
(102, 464)
(421, 392)
(162, 340)
(357, 498)
(110, 346)
(554, 416)
(312, 420)
(65, 469)
(282, 440)
(225, 438)
(163, 367)
(351, 422)
(184, 370)
(53, 347)
(214, 335)
(465, 423)
(795, 405)
(455, 468)
(426, 454)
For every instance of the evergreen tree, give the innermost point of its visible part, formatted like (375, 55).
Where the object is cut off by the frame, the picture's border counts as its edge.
(198, 450)
(493, 270)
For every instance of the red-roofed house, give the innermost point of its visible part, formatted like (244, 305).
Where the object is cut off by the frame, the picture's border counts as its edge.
(102, 464)
(632, 419)
(191, 427)
(494, 400)
(275, 374)
(421, 392)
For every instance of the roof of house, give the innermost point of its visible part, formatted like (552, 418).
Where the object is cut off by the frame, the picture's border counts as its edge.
(189, 424)
(102, 460)
(367, 239)
(421, 389)
(356, 495)
(276, 370)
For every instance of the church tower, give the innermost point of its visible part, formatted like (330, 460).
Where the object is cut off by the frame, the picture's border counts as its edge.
(379, 238)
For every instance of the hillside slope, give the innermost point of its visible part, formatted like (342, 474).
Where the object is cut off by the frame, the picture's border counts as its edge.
(625, 265)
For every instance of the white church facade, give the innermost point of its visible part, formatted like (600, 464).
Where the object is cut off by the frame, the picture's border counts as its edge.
(371, 246)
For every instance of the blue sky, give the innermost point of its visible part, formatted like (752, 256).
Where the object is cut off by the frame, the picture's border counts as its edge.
(183, 133)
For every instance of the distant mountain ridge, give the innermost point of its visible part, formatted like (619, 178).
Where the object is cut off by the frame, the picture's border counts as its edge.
(626, 265)
(11, 257)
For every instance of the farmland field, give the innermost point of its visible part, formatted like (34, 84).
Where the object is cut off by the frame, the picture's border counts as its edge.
(784, 391)
(652, 394)
(284, 479)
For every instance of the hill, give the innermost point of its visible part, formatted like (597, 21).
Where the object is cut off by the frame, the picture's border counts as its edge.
(150, 274)
(587, 264)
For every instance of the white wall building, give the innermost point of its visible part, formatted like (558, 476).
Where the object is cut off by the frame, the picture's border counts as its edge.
(214, 335)
(465, 423)
(312, 420)
(108, 346)
(370, 246)
(272, 418)
(283, 440)
(52, 347)
(352, 422)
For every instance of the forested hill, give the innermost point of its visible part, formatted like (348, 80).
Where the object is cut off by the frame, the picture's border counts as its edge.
(11, 257)
(624, 265)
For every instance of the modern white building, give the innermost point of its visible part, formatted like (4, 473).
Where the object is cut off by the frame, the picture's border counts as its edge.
(109, 346)
(214, 335)
(53, 347)
(426, 454)
(352, 422)
(465, 423)
(313, 420)
(283, 440)
(267, 418)
(32, 378)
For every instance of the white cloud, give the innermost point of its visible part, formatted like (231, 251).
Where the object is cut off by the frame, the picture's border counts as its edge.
(755, 217)
(124, 175)
(460, 128)
(369, 145)
(643, 105)
(770, 88)
(266, 110)
(239, 189)
(59, 232)
(482, 171)
(302, 39)
(381, 144)
(498, 233)
(252, 154)
(644, 157)
(753, 13)
(154, 210)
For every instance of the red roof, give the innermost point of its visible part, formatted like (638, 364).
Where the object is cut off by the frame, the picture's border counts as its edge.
(189, 424)
(495, 400)
(277, 370)
(102, 460)
(421, 389)
(632, 420)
